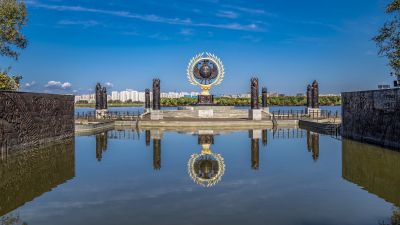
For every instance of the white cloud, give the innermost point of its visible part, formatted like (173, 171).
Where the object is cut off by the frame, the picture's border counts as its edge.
(227, 14)
(85, 23)
(109, 84)
(186, 32)
(149, 17)
(31, 84)
(58, 85)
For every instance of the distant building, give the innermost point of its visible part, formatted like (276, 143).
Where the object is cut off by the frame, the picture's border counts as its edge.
(383, 86)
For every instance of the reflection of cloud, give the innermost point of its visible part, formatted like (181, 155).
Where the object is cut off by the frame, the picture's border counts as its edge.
(58, 85)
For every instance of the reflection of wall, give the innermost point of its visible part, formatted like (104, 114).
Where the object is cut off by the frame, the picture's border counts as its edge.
(373, 168)
(372, 116)
(31, 118)
(25, 175)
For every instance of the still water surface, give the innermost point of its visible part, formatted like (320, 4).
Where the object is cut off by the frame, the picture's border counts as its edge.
(290, 176)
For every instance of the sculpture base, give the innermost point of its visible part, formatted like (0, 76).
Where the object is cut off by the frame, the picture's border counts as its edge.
(313, 112)
(255, 114)
(205, 99)
(156, 115)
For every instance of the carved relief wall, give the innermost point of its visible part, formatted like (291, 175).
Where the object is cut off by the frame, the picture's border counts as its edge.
(372, 116)
(33, 118)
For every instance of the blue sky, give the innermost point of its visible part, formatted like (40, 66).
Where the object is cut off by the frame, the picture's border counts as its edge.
(287, 44)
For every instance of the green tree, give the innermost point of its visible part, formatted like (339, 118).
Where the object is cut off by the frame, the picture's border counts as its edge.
(388, 39)
(12, 18)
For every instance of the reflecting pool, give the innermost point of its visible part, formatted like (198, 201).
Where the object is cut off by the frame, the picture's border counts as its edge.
(123, 176)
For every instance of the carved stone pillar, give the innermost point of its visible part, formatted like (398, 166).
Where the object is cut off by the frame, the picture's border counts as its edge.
(98, 96)
(309, 98)
(254, 93)
(104, 98)
(315, 95)
(147, 99)
(156, 94)
(264, 97)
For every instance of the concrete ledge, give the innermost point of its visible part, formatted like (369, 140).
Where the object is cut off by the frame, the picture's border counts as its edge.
(91, 128)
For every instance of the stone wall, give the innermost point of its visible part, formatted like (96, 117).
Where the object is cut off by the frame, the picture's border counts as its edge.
(372, 116)
(31, 118)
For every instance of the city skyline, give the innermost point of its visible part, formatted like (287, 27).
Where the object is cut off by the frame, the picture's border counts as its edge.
(74, 45)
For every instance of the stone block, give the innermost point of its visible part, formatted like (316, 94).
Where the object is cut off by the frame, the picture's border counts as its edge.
(206, 113)
(255, 114)
(156, 115)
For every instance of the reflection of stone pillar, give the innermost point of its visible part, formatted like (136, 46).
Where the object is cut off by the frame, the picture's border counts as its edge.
(156, 94)
(157, 154)
(315, 95)
(99, 97)
(315, 146)
(147, 99)
(254, 93)
(309, 98)
(309, 141)
(255, 154)
(147, 137)
(265, 137)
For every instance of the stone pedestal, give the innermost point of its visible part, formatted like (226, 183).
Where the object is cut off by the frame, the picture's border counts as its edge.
(156, 115)
(101, 113)
(255, 114)
(313, 112)
(206, 113)
(205, 99)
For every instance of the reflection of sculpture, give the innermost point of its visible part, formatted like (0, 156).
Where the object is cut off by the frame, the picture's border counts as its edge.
(156, 94)
(255, 154)
(157, 154)
(254, 93)
(147, 99)
(206, 168)
(101, 145)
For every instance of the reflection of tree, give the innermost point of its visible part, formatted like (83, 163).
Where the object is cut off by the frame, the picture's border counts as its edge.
(395, 219)
(11, 219)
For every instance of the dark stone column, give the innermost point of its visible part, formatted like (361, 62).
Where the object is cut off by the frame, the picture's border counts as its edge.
(99, 96)
(147, 99)
(156, 94)
(309, 97)
(147, 137)
(315, 95)
(156, 154)
(254, 93)
(264, 98)
(255, 154)
(104, 99)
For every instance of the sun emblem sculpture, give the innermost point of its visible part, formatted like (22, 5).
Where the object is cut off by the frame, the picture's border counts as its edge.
(205, 71)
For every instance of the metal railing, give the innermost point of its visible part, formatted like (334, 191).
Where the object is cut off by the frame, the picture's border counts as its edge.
(301, 114)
